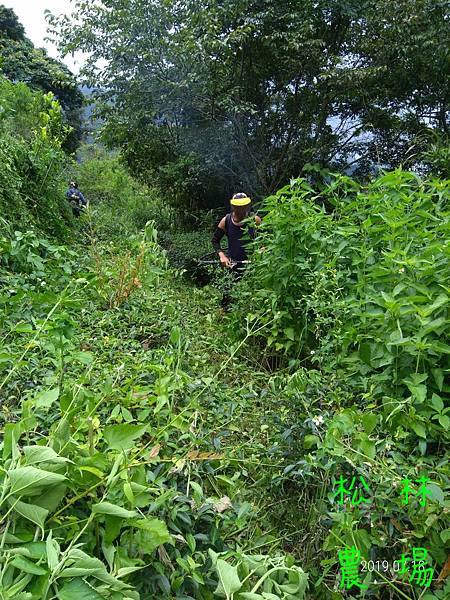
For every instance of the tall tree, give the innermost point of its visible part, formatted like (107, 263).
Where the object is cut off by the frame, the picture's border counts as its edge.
(252, 90)
(21, 61)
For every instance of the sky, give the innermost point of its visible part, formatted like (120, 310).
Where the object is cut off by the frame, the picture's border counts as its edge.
(31, 15)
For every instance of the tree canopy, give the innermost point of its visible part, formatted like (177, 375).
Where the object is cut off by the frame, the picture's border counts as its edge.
(21, 61)
(246, 92)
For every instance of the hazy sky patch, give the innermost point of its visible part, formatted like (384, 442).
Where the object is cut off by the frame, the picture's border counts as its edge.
(31, 15)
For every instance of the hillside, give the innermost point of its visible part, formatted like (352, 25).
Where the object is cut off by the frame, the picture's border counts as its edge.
(248, 408)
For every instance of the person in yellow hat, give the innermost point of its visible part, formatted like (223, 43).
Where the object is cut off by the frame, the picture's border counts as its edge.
(232, 225)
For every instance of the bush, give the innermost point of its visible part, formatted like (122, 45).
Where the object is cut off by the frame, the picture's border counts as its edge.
(104, 180)
(184, 247)
(31, 181)
(356, 298)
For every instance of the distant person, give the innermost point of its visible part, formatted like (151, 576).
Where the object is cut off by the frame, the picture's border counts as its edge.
(76, 198)
(238, 236)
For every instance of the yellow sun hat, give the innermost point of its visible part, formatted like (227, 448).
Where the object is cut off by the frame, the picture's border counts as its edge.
(240, 200)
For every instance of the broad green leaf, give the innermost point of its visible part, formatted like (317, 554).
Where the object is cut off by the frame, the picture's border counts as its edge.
(81, 559)
(81, 564)
(419, 391)
(60, 434)
(109, 552)
(46, 399)
(27, 481)
(36, 550)
(440, 347)
(367, 447)
(175, 335)
(106, 508)
(369, 421)
(121, 437)
(153, 533)
(53, 552)
(12, 433)
(197, 492)
(289, 333)
(113, 526)
(416, 378)
(94, 471)
(5, 357)
(16, 590)
(32, 512)
(441, 300)
(438, 377)
(365, 353)
(40, 454)
(310, 440)
(343, 422)
(437, 402)
(127, 490)
(444, 421)
(86, 358)
(23, 328)
(51, 497)
(398, 289)
(78, 589)
(27, 566)
(229, 581)
(363, 541)
(445, 535)
(419, 429)
(19, 538)
(436, 493)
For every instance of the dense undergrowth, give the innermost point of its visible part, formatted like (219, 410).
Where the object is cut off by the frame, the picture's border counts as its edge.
(159, 438)
(112, 484)
(112, 478)
(152, 448)
(352, 292)
(31, 176)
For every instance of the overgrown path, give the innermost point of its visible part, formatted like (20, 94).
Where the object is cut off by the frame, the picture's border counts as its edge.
(145, 441)
(130, 383)
(171, 326)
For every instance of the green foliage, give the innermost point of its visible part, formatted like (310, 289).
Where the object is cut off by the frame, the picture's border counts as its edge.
(121, 205)
(185, 247)
(110, 487)
(244, 94)
(146, 454)
(183, 178)
(355, 297)
(437, 154)
(276, 577)
(10, 25)
(21, 61)
(186, 183)
(32, 133)
(378, 259)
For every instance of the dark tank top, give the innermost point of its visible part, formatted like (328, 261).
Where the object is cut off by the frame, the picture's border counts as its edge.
(238, 237)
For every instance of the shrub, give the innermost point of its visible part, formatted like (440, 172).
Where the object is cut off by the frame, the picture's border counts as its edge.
(185, 247)
(356, 297)
(104, 180)
(108, 488)
(31, 178)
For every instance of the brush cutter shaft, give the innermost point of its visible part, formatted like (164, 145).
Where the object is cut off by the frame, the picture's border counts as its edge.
(207, 259)
(215, 262)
